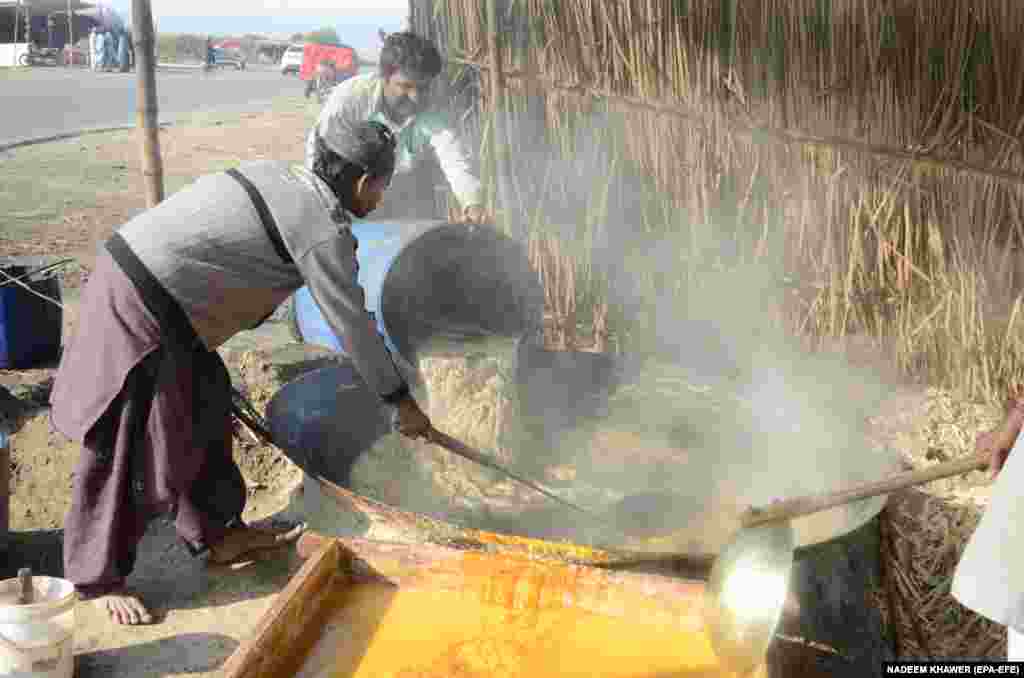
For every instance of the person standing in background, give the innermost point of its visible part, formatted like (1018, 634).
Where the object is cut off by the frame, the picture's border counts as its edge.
(122, 49)
(109, 49)
(129, 36)
(99, 53)
(92, 48)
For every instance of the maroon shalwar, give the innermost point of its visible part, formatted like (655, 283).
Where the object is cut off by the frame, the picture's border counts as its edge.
(155, 425)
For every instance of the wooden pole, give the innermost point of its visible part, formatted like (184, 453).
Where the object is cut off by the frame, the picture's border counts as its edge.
(145, 101)
(71, 32)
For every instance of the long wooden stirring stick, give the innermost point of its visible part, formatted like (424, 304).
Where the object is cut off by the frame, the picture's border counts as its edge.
(802, 506)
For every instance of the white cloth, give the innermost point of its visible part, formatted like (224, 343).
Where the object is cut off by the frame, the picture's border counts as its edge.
(360, 98)
(1014, 646)
(989, 578)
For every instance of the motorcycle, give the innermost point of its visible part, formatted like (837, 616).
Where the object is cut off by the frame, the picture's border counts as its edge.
(325, 66)
(40, 56)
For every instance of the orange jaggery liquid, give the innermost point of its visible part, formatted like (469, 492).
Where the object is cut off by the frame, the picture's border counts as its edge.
(383, 632)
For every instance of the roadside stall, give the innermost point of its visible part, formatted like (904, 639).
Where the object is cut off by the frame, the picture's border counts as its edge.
(51, 25)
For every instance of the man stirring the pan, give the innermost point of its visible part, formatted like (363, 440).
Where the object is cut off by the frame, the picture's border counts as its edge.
(142, 387)
(990, 576)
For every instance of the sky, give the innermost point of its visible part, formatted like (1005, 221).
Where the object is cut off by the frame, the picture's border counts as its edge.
(356, 21)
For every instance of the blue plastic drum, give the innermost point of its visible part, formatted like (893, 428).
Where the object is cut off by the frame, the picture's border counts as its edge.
(433, 279)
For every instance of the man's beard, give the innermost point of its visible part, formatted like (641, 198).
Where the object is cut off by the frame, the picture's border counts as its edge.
(401, 107)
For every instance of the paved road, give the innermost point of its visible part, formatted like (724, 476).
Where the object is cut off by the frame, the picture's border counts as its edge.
(44, 101)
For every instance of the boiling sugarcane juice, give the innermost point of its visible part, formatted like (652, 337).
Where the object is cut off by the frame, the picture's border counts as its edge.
(385, 632)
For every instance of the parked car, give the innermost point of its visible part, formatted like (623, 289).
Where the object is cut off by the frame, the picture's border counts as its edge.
(225, 59)
(291, 60)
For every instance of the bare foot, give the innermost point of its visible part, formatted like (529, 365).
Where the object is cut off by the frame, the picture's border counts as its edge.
(244, 540)
(124, 607)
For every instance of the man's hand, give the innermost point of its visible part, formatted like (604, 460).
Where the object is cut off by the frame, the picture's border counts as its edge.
(988, 444)
(996, 444)
(474, 214)
(412, 422)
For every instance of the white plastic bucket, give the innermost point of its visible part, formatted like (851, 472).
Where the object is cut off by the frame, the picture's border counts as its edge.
(37, 640)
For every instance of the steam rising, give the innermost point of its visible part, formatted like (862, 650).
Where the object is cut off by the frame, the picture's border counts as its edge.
(756, 416)
(724, 409)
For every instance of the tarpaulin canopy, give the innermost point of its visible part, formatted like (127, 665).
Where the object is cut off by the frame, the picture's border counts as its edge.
(48, 6)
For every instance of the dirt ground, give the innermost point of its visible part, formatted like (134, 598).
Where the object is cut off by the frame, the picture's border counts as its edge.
(64, 199)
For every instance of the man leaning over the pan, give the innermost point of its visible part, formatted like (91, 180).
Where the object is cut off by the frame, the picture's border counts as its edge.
(398, 96)
(141, 385)
(990, 576)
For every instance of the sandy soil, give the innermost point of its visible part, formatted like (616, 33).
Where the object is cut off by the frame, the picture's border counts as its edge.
(203, 613)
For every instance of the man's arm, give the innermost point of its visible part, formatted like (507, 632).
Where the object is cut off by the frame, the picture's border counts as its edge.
(455, 162)
(330, 272)
(997, 443)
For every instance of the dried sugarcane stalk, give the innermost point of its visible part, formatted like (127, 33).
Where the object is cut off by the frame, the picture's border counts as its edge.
(569, 296)
(557, 296)
(601, 327)
(845, 98)
(988, 648)
(966, 631)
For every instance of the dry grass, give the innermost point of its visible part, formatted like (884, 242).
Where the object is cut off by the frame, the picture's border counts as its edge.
(879, 224)
(924, 537)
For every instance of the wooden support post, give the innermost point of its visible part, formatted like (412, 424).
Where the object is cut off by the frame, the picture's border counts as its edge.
(145, 101)
(71, 32)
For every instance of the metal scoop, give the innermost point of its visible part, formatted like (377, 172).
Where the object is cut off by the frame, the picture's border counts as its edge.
(750, 578)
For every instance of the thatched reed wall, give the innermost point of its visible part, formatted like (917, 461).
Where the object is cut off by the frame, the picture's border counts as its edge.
(869, 154)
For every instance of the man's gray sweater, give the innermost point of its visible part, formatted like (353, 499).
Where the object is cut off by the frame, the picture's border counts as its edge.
(208, 248)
